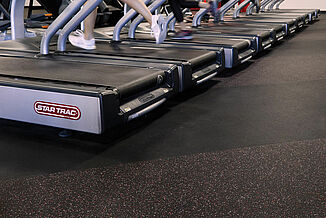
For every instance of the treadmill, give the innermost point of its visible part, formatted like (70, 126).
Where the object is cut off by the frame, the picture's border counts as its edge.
(261, 38)
(301, 18)
(203, 64)
(278, 30)
(86, 92)
(291, 22)
(236, 51)
(313, 13)
(79, 95)
(281, 30)
(265, 37)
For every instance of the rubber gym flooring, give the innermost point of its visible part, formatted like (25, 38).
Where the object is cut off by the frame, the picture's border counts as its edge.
(252, 142)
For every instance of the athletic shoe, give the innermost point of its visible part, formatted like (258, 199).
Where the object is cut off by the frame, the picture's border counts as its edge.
(77, 39)
(183, 34)
(158, 28)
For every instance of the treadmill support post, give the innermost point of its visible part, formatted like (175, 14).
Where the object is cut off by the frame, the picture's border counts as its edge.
(58, 23)
(222, 11)
(249, 9)
(239, 8)
(264, 5)
(123, 21)
(17, 19)
(133, 26)
(198, 16)
(74, 22)
(253, 4)
(171, 22)
(278, 4)
(272, 4)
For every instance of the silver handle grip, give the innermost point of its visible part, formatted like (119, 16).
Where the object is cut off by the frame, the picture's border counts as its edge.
(146, 110)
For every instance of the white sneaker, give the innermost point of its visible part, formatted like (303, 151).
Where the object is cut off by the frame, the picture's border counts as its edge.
(158, 28)
(77, 39)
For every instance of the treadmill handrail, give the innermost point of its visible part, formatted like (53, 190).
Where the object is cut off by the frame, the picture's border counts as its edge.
(222, 11)
(75, 21)
(71, 9)
(253, 4)
(250, 8)
(239, 8)
(264, 5)
(278, 4)
(198, 16)
(272, 4)
(133, 26)
(171, 22)
(123, 21)
(17, 19)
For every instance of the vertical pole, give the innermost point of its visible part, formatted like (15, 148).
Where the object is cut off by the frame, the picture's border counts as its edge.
(17, 19)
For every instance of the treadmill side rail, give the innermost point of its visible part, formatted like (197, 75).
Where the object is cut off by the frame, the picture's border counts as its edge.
(144, 103)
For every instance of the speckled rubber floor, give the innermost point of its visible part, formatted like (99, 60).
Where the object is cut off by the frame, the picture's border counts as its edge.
(271, 180)
(249, 143)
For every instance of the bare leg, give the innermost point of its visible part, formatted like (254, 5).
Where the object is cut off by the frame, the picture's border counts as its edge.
(137, 5)
(85, 40)
(141, 8)
(155, 21)
(89, 25)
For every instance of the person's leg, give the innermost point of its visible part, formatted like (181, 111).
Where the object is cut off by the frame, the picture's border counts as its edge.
(156, 21)
(183, 32)
(85, 39)
(190, 4)
(176, 10)
(89, 23)
(176, 7)
(141, 8)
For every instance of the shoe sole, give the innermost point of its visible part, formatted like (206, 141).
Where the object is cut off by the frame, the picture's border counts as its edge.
(82, 46)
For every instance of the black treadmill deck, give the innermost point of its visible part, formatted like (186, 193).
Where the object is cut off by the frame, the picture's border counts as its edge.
(140, 56)
(88, 74)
